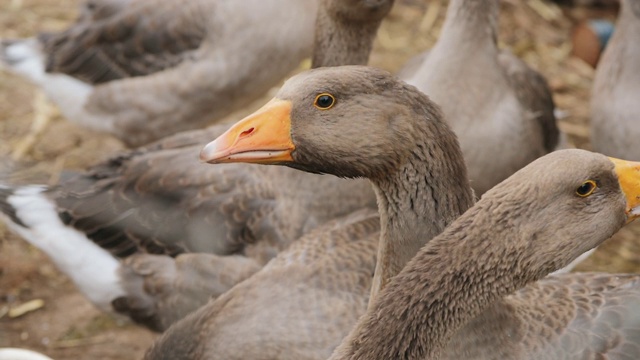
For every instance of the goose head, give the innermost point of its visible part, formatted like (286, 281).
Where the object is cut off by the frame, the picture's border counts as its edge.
(349, 121)
(567, 202)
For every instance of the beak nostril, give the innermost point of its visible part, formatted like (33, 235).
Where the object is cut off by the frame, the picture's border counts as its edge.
(246, 132)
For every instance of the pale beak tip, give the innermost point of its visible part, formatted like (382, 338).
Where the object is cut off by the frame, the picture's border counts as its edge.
(209, 153)
(634, 212)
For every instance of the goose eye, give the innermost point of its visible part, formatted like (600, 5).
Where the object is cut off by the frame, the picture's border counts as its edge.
(324, 101)
(587, 188)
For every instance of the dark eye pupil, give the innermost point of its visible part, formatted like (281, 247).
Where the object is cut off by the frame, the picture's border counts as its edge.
(585, 188)
(325, 101)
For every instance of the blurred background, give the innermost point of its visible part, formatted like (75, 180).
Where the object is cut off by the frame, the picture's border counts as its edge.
(41, 310)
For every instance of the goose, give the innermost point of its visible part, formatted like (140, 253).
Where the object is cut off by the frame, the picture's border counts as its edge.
(143, 70)
(614, 106)
(478, 290)
(473, 292)
(153, 234)
(303, 302)
(501, 109)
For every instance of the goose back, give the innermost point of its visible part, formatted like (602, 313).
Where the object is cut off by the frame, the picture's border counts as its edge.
(136, 39)
(147, 69)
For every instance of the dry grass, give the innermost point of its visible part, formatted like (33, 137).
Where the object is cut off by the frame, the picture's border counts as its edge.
(68, 327)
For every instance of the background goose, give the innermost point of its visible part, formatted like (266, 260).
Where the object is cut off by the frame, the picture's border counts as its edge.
(501, 110)
(408, 167)
(161, 200)
(141, 70)
(614, 101)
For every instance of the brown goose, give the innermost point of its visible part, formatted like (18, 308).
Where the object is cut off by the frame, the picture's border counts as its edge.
(142, 70)
(464, 280)
(303, 303)
(472, 293)
(501, 110)
(161, 200)
(614, 101)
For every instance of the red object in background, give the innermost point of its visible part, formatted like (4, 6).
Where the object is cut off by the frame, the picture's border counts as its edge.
(589, 39)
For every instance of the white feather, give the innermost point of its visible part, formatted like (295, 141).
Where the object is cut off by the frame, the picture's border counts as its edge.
(93, 269)
(25, 58)
(21, 354)
(574, 263)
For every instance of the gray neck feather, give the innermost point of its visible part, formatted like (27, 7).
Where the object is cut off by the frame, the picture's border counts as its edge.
(437, 294)
(419, 199)
(340, 41)
(470, 22)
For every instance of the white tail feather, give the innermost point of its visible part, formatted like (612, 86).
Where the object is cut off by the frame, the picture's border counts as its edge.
(93, 269)
(21, 354)
(25, 58)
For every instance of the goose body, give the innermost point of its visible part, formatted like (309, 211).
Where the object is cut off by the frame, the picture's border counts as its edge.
(301, 304)
(471, 292)
(614, 105)
(155, 203)
(501, 110)
(142, 70)
(582, 313)
(238, 217)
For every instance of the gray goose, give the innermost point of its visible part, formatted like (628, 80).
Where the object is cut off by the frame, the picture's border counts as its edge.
(501, 110)
(142, 70)
(303, 303)
(614, 99)
(474, 292)
(480, 271)
(160, 200)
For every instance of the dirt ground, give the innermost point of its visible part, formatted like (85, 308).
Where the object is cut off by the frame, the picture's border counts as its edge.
(66, 326)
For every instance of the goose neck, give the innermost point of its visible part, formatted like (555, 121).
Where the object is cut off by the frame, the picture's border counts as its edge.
(455, 278)
(340, 40)
(470, 25)
(418, 200)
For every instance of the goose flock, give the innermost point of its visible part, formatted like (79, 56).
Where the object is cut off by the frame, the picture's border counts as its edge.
(434, 213)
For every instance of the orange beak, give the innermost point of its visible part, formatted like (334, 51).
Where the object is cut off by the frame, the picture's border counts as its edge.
(629, 177)
(263, 137)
